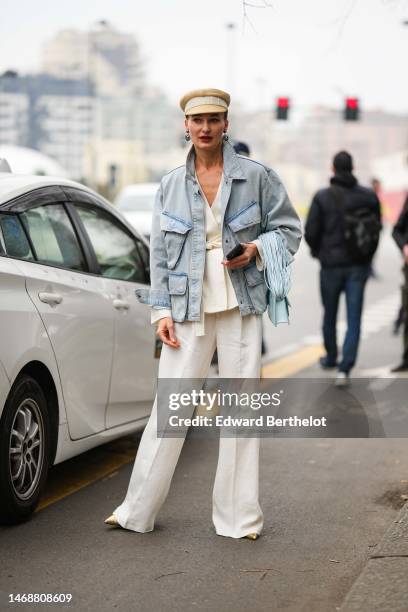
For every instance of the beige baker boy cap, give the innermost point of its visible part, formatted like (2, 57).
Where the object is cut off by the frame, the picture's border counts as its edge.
(205, 101)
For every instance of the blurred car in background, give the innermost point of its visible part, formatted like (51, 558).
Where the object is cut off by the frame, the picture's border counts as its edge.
(78, 356)
(135, 202)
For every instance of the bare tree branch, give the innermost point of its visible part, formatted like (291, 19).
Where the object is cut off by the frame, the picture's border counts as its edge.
(345, 18)
(247, 20)
(341, 22)
(256, 4)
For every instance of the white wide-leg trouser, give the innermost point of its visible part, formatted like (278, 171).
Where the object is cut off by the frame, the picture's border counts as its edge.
(236, 510)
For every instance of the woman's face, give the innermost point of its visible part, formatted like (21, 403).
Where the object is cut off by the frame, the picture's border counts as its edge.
(206, 130)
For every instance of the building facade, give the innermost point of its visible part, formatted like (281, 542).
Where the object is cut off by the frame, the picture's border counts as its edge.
(108, 58)
(54, 116)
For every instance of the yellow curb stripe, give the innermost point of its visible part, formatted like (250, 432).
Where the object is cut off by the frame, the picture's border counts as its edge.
(96, 464)
(104, 461)
(293, 363)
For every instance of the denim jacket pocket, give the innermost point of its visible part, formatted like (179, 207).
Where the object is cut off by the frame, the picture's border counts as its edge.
(178, 284)
(253, 276)
(246, 217)
(175, 233)
(256, 286)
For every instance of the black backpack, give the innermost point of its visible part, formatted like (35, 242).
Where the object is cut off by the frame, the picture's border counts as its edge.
(361, 229)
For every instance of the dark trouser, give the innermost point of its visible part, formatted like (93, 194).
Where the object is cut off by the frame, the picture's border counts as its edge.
(333, 281)
(405, 315)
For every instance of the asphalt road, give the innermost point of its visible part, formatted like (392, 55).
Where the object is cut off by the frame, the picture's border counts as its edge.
(327, 503)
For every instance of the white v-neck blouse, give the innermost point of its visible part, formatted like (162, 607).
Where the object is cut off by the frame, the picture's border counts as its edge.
(218, 291)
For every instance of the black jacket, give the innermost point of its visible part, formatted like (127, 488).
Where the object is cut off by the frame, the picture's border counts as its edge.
(400, 231)
(324, 231)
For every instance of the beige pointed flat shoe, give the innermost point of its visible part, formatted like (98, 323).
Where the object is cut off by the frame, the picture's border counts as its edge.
(112, 520)
(252, 536)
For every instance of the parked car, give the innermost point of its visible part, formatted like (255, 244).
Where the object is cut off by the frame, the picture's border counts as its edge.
(136, 202)
(78, 361)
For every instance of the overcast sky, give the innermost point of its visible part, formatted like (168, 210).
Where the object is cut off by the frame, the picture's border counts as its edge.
(316, 52)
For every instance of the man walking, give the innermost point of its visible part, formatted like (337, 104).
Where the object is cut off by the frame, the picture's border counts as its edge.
(400, 235)
(342, 230)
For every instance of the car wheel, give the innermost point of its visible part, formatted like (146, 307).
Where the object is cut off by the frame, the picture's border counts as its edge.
(24, 450)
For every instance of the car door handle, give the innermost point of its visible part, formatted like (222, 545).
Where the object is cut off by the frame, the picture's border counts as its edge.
(50, 298)
(121, 304)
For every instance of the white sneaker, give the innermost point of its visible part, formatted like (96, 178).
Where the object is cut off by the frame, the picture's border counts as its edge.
(342, 380)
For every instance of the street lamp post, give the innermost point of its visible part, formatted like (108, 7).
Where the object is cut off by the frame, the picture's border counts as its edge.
(230, 64)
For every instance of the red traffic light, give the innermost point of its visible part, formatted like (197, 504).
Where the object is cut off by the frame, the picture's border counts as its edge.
(282, 108)
(283, 102)
(352, 103)
(351, 109)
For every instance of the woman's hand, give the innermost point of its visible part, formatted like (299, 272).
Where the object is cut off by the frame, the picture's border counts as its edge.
(405, 253)
(165, 331)
(250, 251)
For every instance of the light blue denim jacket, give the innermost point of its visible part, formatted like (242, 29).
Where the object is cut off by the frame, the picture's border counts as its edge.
(253, 202)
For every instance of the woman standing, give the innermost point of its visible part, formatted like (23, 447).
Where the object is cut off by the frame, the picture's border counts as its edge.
(203, 301)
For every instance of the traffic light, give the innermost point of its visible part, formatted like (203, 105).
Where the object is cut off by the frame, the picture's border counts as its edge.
(282, 109)
(351, 109)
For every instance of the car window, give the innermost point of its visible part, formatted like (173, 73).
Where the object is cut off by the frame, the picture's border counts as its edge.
(53, 237)
(14, 238)
(116, 251)
(144, 253)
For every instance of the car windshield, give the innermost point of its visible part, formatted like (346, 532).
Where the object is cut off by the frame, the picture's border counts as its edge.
(136, 202)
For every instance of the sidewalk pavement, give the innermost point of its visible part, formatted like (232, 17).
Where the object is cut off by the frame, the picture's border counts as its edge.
(383, 583)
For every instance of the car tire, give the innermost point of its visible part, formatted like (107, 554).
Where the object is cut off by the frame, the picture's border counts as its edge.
(24, 450)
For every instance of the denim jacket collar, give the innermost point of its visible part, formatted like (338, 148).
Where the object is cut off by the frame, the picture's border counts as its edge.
(232, 167)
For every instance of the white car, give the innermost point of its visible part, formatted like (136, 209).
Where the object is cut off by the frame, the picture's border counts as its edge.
(78, 356)
(136, 202)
